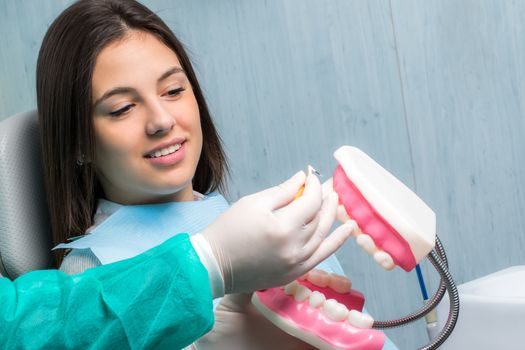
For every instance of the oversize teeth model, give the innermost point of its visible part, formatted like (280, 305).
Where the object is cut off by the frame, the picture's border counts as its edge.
(394, 225)
(322, 310)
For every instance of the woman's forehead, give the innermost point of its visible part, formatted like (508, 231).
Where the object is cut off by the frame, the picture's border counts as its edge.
(137, 56)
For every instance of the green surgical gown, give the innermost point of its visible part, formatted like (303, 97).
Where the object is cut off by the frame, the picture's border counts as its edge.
(160, 299)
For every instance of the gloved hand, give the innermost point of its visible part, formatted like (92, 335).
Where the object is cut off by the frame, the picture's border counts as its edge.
(238, 325)
(268, 239)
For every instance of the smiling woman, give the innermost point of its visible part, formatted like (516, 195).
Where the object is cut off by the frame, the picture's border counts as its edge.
(148, 135)
(117, 95)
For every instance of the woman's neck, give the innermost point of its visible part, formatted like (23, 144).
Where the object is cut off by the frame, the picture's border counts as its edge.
(183, 195)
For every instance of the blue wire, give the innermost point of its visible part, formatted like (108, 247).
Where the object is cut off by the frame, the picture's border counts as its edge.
(421, 282)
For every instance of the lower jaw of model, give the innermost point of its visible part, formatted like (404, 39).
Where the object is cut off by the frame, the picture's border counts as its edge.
(322, 310)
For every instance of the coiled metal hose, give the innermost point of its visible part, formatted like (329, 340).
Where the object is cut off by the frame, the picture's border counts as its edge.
(438, 259)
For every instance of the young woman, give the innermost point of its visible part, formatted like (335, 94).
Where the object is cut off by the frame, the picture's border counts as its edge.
(132, 157)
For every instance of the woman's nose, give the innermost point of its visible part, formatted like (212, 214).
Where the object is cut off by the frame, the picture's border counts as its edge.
(160, 120)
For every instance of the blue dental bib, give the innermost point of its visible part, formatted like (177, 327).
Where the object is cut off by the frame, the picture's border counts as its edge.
(133, 229)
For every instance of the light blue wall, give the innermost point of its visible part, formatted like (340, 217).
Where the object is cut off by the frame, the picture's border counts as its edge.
(433, 90)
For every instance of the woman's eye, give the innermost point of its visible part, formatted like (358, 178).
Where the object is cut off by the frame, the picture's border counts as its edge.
(121, 111)
(174, 92)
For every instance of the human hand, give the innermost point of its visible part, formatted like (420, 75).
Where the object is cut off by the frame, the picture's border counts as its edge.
(268, 239)
(238, 325)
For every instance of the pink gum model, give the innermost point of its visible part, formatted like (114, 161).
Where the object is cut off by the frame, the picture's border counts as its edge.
(371, 222)
(309, 323)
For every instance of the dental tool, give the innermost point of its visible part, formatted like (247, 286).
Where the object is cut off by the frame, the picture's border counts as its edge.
(309, 171)
(396, 228)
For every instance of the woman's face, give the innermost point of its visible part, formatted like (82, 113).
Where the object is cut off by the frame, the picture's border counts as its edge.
(146, 121)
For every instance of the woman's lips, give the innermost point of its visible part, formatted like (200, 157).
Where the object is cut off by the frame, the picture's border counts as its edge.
(169, 159)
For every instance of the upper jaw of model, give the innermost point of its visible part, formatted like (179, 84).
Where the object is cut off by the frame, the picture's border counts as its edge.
(394, 225)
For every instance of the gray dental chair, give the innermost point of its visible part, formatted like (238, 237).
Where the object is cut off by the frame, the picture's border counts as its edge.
(25, 232)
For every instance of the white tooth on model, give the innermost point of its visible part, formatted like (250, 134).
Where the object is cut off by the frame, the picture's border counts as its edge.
(291, 287)
(384, 260)
(165, 151)
(317, 299)
(340, 284)
(302, 293)
(319, 277)
(334, 310)
(341, 214)
(360, 320)
(366, 242)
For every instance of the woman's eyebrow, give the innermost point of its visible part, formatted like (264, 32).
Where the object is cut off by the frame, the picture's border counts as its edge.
(170, 72)
(114, 91)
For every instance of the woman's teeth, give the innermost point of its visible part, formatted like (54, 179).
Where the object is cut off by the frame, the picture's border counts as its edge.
(165, 151)
(331, 308)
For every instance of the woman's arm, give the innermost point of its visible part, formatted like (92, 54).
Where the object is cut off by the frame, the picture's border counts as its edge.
(159, 299)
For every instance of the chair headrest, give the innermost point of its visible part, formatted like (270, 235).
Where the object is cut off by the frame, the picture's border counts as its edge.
(25, 232)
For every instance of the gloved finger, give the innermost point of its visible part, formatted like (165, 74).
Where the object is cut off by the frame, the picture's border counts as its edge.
(279, 196)
(308, 230)
(326, 219)
(327, 187)
(328, 211)
(303, 209)
(330, 244)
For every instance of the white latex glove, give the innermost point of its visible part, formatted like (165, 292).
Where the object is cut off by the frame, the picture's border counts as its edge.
(268, 239)
(238, 325)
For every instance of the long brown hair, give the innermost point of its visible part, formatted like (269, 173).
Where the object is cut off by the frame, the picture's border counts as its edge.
(64, 97)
